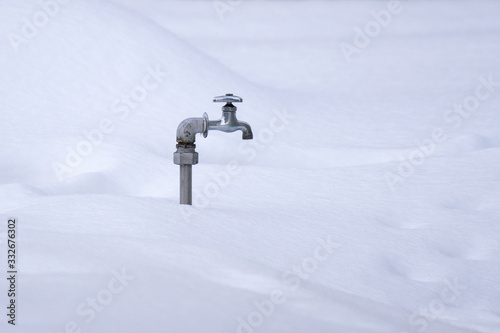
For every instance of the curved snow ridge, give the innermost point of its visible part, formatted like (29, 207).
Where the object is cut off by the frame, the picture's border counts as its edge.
(349, 157)
(88, 19)
(14, 196)
(465, 143)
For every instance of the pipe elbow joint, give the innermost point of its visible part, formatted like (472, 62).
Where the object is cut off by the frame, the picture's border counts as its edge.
(187, 129)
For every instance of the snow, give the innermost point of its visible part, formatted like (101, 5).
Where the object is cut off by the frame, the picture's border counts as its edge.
(365, 202)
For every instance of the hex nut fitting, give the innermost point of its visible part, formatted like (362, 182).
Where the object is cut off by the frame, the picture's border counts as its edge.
(185, 158)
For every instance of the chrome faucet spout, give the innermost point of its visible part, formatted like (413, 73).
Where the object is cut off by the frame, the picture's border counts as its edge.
(229, 123)
(246, 130)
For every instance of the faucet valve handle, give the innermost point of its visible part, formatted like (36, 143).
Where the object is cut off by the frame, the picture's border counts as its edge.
(228, 98)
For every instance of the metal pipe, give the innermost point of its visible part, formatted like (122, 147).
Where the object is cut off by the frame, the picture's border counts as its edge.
(186, 178)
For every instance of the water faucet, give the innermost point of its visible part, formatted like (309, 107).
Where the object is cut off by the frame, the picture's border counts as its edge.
(228, 122)
(186, 156)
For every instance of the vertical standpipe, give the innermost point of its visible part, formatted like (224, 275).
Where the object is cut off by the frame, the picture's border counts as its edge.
(186, 194)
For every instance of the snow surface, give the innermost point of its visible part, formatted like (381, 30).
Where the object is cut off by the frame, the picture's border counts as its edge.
(317, 173)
